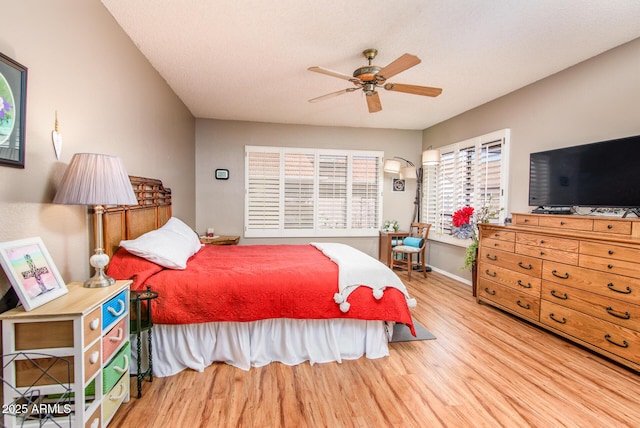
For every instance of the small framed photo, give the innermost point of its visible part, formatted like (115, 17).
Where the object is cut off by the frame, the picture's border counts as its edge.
(31, 272)
(398, 185)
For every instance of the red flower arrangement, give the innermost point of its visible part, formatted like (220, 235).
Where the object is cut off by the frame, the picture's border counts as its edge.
(462, 216)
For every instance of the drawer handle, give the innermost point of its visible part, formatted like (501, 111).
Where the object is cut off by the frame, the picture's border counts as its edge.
(526, 220)
(492, 275)
(527, 306)
(611, 287)
(624, 316)
(610, 266)
(542, 241)
(93, 358)
(496, 235)
(610, 252)
(93, 325)
(563, 296)
(492, 292)
(521, 284)
(553, 317)
(609, 226)
(562, 223)
(528, 267)
(126, 365)
(120, 396)
(119, 311)
(555, 273)
(624, 344)
(119, 337)
(494, 258)
(542, 253)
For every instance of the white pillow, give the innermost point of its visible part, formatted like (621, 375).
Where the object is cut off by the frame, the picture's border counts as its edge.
(170, 246)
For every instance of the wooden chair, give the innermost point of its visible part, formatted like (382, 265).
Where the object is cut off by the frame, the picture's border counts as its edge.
(418, 233)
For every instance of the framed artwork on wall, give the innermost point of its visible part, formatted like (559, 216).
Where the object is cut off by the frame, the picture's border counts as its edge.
(398, 185)
(31, 271)
(13, 98)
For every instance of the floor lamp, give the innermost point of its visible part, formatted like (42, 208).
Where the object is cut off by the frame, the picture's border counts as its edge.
(96, 180)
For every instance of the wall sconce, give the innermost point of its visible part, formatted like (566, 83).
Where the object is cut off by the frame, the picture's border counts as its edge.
(393, 166)
(431, 156)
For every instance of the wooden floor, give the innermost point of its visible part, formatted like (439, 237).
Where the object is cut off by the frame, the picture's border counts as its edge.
(485, 369)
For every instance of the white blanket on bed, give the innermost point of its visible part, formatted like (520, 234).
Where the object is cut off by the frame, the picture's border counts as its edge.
(356, 269)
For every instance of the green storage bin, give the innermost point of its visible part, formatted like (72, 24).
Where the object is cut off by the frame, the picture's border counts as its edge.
(112, 373)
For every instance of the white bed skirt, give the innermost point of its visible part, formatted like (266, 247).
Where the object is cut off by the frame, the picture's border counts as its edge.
(255, 344)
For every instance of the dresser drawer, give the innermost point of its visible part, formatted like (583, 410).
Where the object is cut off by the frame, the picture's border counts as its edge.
(112, 340)
(566, 222)
(92, 361)
(610, 285)
(609, 226)
(92, 325)
(116, 368)
(524, 304)
(516, 280)
(612, 310)
(618, 267)
(610, 251)
(115, 397)
(548, 253)
(501, 235)
(548, 242)
(498, 244)
(605, 335)
(113, 309)
(516, 262)
(525, 220)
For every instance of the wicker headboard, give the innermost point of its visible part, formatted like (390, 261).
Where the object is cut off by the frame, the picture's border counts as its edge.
(130, 221)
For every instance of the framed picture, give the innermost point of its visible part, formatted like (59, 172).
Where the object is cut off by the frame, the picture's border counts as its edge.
(222, 174)
(398, 185)
(13, 97)
(31, 272)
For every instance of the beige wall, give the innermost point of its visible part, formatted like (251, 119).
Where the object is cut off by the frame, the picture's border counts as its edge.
(220, 144)
(596, 100)
(109, 100)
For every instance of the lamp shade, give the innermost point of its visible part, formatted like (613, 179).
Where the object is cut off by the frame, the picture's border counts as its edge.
(392, 166)
(431, 157)
(408, 172)
(95, 179)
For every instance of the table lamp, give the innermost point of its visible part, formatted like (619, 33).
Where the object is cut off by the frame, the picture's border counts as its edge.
(96, 180)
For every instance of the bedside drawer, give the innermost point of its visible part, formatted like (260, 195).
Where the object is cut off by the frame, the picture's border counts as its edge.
(92, 326)
(112, 340)
(92, 361)
(115, 397)
(116, 368)
(114, 308)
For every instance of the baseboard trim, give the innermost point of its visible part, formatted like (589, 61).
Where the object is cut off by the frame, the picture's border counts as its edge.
(452, 276)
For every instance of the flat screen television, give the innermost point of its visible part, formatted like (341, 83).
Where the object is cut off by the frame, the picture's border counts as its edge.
(603, 174)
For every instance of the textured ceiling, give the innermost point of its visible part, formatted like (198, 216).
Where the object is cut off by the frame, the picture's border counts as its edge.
(248, 60)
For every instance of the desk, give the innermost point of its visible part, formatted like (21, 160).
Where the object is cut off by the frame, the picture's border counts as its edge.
(385, 244)
(220, 240)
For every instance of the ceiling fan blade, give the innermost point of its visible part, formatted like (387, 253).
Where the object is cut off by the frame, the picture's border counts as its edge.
(373, 102)
(413, 89)
(332, 73)
(399, 65)
(331, 95)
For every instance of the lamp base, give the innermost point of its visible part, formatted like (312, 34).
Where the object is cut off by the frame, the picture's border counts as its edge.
(99, 280)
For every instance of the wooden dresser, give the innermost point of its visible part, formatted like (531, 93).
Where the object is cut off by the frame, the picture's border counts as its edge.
(77, 344)
(578, 276)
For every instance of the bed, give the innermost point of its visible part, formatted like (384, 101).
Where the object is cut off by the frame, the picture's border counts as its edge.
(251, 305)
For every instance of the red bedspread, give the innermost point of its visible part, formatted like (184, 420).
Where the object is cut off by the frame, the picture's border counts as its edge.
(254, 282)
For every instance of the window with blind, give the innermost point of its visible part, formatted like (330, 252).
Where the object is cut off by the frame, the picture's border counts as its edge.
(312, 192)
(472, 172)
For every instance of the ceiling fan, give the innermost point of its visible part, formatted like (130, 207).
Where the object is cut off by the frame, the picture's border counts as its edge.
(369, 77)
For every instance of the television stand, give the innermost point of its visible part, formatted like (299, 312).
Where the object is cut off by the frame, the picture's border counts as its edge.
(635, 211)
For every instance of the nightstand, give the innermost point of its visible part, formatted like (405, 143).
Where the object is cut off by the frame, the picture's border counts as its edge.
(220, 240)
(141, 320)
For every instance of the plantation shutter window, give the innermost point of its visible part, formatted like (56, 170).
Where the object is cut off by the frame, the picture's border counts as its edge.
(312, 192)
(473, 172)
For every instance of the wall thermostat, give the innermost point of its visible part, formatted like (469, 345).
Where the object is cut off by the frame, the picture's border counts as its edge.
(222, 174)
